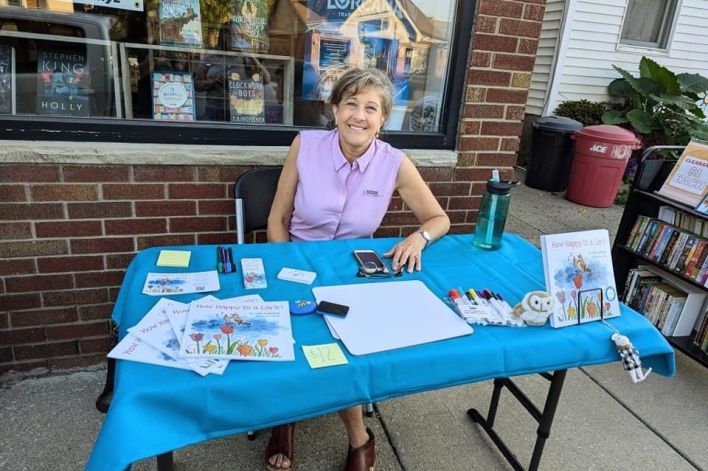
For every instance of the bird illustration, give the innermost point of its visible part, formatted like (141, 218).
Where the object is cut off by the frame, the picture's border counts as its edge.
(580, 265)
(236, 319)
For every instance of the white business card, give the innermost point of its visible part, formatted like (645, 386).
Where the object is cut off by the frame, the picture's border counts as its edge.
(298, 276)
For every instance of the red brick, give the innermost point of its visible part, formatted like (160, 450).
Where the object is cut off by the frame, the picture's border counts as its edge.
(75, 361)
(527, 46)
(96, 173)
(494, 42)
(395, 204)
(501, 8)
(133, 192)
(176, 239)
(514, 62)
(15, 230)
(472, 174)
(164, 173)
(466, 202)
(470, 127)
(13, 193)
(6, 355)
(481, 59)
(22, 336)
(466, 159)
(23, 284)
(20, 301)
(388, 232)
(99, 210)
(136, 226)
(17, 267)
(216, 207)
(68, 229)
(456, 217)
(47, 350)
(496, 159)
(434, 174)
(225, 174)
(478, 143)
(217, 238)
(497, 128)
(64, 192)
(98, 311)
(32, 248)
(486, 24)
(500, 95)
(197, 224)
(483, 111)
(529, 29)
(95, 345)
(490, 77)
(534, 12)
(165, 208)
(462, 229)
(69, 264)
(29, 173)
(102, 245)
(515, 113)
(76, 331)
(119, 261)
(4, 320)
(99, 278)
(18, 211)
(451, 188)
(75, 297)
(510, 144)
(40, 317)
(198, 190)
(399, 219)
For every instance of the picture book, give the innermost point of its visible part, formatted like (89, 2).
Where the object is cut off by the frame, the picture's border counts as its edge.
(246, 99)
(159, 284)
(173, 96)
(688, 181)
(180, 23)
(63, 83)
(578, 271)
(249, 24)
(238, 331)
(133, 349)
(7, 79)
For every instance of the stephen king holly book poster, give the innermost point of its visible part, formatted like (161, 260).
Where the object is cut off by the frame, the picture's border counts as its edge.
(579, 274)
(63, 83)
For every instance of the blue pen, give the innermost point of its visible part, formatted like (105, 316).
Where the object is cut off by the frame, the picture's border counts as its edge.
(224, 257)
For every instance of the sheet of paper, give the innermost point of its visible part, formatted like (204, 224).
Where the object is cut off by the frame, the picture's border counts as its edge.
(297, 276)
(159, 284)
(174, 258)
(320, 356)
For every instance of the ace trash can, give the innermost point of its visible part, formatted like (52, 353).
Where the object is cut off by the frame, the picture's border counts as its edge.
(601, 155)
(551, 153)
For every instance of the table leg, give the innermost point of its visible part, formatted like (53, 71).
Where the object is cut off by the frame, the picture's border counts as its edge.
(164, 462)
(104, 399)
(544, 419)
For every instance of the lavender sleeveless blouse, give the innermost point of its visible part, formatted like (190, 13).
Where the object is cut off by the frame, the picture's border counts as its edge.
(336, 200)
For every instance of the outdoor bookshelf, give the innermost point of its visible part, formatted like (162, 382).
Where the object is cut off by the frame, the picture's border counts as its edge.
(644, 201)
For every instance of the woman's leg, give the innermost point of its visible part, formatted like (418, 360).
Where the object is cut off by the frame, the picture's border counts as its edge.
(354, 423)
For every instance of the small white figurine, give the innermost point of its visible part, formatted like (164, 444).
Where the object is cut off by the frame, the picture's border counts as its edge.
(630, 358)
(535, 308)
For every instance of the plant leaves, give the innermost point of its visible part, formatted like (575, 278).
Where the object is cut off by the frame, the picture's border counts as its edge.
(613, 117)
(643, 86)
(693, 83)
(667, 81)
(620, 88)
(680, 101)
(641, 121)
(699, 131)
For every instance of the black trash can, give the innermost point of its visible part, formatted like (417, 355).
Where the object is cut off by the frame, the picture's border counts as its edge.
(551, 153)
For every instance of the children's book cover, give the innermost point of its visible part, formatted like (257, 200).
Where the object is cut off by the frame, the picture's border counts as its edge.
(133, 349)
(180, 23)
(249, 24)
(173, 96)
(159, 284)
(7, 79)
(246, 99)
(238, 331)
(688, 181)
(63, 83)
(578, 271)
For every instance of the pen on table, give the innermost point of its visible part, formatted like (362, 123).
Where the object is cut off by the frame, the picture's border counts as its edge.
(473, 295)
(219, 260)
(231, 260)
(463, 296)
(504, 303)
(227, 267)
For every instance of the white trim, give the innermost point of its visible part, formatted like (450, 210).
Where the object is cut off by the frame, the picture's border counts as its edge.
(561, 48)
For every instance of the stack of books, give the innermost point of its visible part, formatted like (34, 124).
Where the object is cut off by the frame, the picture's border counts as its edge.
(701, 339)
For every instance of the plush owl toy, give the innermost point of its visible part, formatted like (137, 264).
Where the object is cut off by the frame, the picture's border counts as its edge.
(535, 308)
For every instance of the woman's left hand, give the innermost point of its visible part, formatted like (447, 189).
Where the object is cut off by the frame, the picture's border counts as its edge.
(407, 252)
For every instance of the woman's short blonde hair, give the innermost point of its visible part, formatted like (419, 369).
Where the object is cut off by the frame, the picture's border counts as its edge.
(355, 80)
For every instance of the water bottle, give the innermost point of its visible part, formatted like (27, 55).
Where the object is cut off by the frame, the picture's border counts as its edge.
(492, 214)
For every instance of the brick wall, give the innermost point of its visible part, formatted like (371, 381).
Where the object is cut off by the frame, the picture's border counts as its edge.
(67, 232)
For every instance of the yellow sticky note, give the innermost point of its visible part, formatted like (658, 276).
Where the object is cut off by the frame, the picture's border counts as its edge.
(320, 356)
(174, 258)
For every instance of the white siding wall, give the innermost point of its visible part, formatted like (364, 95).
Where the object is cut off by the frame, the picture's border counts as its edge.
(545, 56)
(593, 47)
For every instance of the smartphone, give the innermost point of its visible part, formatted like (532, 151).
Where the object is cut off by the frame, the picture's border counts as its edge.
(370, 259)
(326, 307)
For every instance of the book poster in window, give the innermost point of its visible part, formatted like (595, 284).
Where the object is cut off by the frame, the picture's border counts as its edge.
(688, 181)
(63, 83)
(7, 79)
(249, 24)
(180, 23)
(246, 99)
(172, 96)
(332, 57)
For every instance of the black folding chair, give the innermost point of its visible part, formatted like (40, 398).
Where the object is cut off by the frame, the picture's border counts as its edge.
(253, 196)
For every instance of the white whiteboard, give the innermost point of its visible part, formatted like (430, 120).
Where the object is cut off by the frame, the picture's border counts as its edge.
(388, 315)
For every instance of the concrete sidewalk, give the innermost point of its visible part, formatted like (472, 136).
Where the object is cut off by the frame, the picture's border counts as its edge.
(604, 421)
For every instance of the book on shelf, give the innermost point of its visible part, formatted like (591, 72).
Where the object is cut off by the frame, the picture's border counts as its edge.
(701, 339)
(246, 98)
(172, 96)
(688, 181)
(249, 24)
(7, 80)
(578, 272)
(180, 23)
(63, 82)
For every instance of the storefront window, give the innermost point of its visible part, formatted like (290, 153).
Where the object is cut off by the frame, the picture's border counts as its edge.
(225, 64)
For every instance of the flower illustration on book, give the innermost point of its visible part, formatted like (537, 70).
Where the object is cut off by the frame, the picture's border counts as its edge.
(197, 337)
(244, 350)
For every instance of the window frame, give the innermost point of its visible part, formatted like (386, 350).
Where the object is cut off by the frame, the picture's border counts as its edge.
(665, 31)
(31, 127)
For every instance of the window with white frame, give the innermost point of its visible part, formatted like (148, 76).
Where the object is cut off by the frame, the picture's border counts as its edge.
(647, 23)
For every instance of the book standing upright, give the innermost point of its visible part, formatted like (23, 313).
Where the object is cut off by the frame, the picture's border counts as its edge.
(172, 96)
(7, 80)
(63, 83)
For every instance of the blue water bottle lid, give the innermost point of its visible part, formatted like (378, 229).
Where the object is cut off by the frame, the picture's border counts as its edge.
(302, 306)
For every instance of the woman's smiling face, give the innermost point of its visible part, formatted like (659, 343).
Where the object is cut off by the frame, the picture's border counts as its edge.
(359, 118)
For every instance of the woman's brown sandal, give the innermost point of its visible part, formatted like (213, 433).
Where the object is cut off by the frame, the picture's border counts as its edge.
(362, 458)
(281, 443)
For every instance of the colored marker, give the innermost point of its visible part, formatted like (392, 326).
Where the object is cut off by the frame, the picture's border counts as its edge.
(473, 296)
(224, 257)
(503, 301)
(230, 255)
(219, 261)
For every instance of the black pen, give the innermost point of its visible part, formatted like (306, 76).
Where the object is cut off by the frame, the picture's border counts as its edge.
(219, 261)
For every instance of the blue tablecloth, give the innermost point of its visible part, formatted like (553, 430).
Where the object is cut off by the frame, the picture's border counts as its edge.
(157, 409)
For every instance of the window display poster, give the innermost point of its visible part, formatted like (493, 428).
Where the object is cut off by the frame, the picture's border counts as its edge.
(172, 96)
(180, 23)
(332, 63)
(63, 83)
(246, 98)
(249, 24)
(7, 79)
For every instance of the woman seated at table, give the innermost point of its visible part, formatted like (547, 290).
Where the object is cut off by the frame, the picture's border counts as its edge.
(338, 185)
